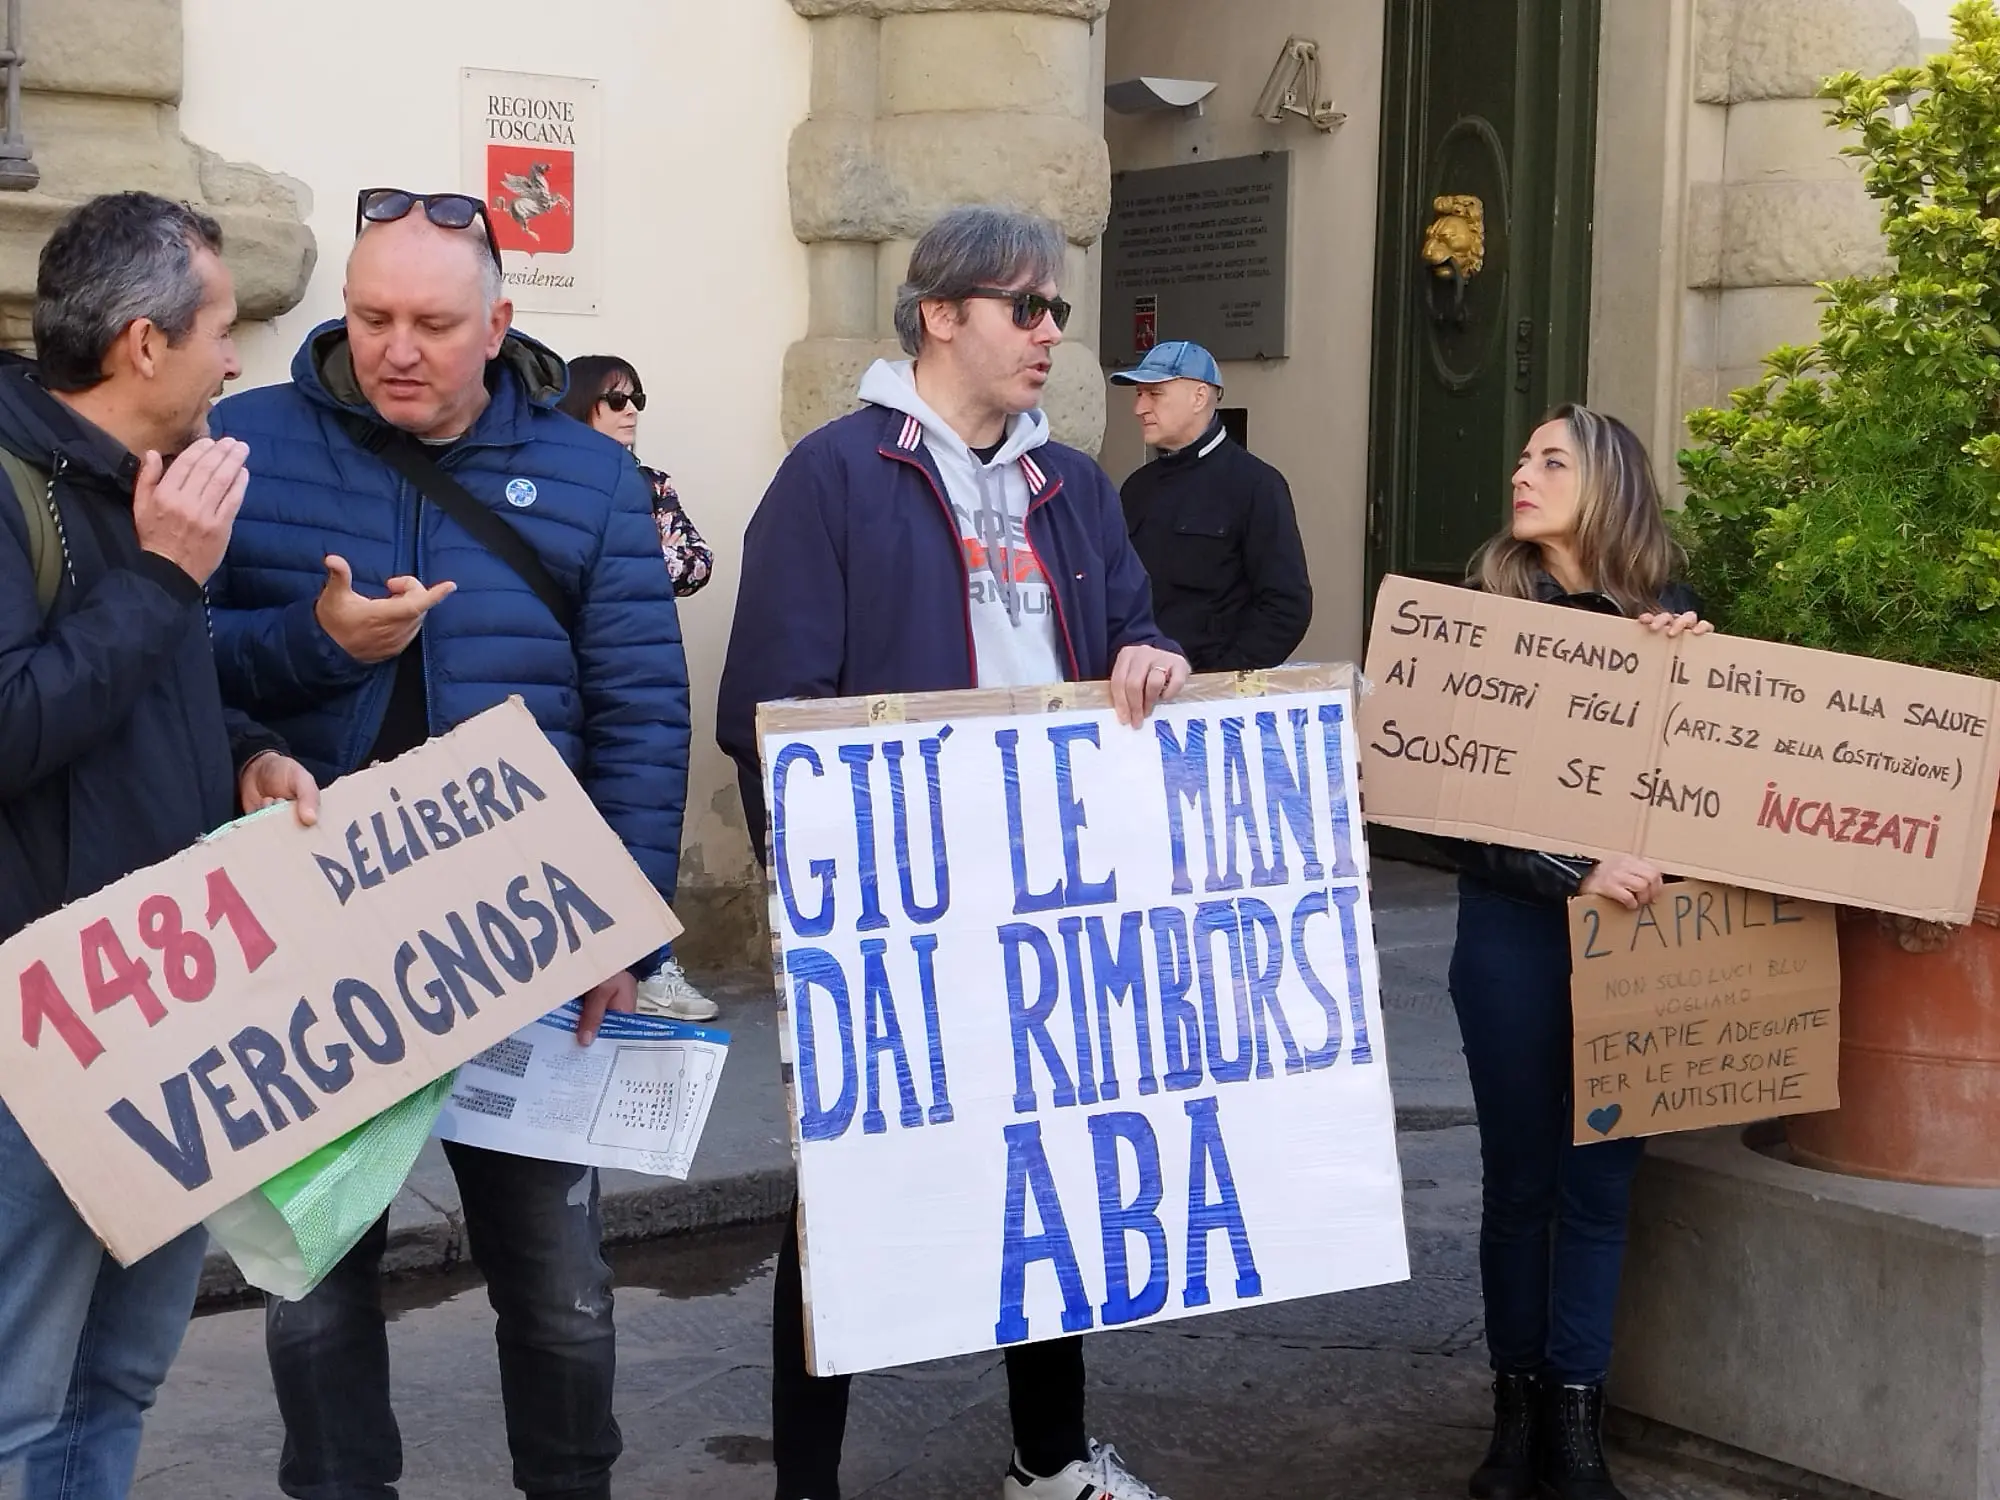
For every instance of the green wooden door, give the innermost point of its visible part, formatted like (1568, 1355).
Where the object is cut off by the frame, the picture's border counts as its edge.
(1493, 100)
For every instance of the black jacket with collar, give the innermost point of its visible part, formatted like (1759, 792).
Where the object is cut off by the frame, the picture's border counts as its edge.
(1215, 528)
(115, 749)
(1530, 874)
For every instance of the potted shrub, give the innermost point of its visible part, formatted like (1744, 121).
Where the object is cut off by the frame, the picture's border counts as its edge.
(1850, 501)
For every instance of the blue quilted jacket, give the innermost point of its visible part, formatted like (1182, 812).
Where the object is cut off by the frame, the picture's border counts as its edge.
(614, 700)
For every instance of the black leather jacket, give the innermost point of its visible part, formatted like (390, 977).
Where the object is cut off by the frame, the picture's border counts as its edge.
(1533, 875)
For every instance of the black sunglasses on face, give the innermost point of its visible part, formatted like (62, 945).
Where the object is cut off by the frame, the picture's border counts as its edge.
(1029, 307)
(446, 210)
(619, 400)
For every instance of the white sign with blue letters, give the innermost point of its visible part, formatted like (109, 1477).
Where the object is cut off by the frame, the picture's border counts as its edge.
(1082, 1025)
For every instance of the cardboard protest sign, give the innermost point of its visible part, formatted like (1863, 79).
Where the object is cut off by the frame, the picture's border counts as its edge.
(1831, 777)
(195, 1029)
(1710, 1006)
(1081, 1022)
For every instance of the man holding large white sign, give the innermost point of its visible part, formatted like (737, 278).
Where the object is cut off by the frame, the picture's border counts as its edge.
(1113, 1019)
(1002, 1140)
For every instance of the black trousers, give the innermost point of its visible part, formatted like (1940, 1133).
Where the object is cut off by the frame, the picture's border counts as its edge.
(809, 1412)
(534, 1231)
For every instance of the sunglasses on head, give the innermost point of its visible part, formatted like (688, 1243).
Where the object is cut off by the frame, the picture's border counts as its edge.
(1029, 307)
(446, 210)
(619, 400)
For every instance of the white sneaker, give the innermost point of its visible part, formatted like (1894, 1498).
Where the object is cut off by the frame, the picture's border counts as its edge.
(1103, 1476)
(670, 993)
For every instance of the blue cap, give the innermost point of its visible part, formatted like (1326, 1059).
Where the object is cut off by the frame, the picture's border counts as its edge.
(1181, 359)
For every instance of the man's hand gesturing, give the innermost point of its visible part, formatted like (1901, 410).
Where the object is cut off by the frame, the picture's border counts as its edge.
(373, 630)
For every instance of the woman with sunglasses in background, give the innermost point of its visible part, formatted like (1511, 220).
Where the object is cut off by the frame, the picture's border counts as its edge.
(605, 393)
(1587, 533)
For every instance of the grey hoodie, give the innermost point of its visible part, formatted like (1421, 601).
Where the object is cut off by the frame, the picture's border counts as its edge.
(1013, 616)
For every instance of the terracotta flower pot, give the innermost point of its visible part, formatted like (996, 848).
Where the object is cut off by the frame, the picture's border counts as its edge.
(1919, 1050)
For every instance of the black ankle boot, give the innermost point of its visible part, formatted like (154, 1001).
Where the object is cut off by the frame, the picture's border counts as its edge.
(1513, 1457)
(1573, 1444)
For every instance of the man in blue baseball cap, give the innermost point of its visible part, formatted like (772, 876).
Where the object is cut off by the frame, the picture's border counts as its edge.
(1212, 523)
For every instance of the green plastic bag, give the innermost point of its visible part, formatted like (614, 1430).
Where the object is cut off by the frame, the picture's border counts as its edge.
(289, 1233)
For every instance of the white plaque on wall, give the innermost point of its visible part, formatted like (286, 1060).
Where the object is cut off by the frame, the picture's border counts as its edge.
(532, 148)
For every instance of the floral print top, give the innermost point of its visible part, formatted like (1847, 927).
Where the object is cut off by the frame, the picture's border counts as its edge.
(689, 562)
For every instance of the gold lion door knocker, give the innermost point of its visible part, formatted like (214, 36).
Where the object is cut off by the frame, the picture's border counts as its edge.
(1455, 250)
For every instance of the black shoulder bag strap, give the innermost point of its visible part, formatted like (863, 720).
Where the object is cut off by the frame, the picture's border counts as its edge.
(406, 456)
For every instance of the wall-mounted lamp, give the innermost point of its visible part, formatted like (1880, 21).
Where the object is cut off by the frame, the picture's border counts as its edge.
(1294, 88)
(1143, 96)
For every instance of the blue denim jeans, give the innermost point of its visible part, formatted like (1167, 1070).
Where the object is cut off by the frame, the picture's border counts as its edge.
(84, 1342)
(1552, 1226)
(534, 1231)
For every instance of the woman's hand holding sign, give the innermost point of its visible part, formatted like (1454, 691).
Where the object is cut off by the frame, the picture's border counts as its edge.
(1672, 625)
(1630, 881)
(1143, 678)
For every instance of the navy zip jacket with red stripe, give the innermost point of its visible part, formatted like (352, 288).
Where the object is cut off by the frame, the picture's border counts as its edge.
(854, 579)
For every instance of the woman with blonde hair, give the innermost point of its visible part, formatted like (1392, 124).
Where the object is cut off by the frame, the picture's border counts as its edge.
(1587, 532)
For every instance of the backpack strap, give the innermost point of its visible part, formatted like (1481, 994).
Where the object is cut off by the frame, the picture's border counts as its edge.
(46, 553)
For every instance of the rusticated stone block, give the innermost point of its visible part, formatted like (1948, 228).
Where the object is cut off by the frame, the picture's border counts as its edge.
(1083, 274)
(1699, 388)
(846, 66)
(841, 189)
(87, 144)
(920, 106)
(854, 181)
(123, 48)
(1058, 168)
(1030, 64)
(843, 299)
(892, 263)
(1714, 37)
(1700, 337)
(823, 375)
(821, 378)
(90, 144)
(1704, 235)
(1799, 233)
(1771, 140)
(1783, 49)
(1752, 321)
(1074, 398)
(1076, 10)
(265, 242)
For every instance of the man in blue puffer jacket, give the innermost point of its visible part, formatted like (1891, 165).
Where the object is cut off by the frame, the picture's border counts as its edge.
(358, 618)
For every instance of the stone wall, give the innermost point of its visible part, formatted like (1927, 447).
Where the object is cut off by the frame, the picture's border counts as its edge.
(1721, 196)
(919, 106)
(102, 81)
(1772, 207)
